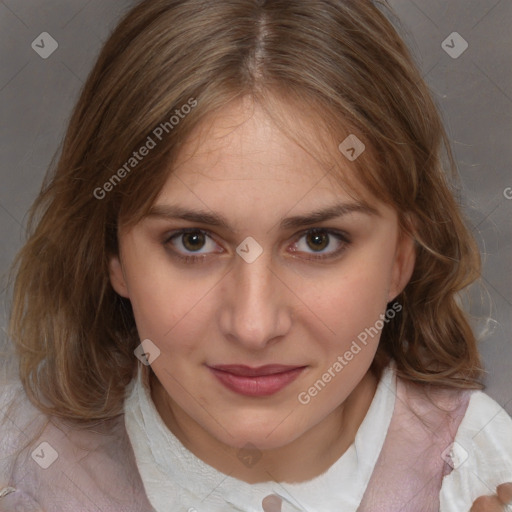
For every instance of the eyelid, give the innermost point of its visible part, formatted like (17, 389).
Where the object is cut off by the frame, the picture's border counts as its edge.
(183, 231)
(336, 232)
(342, 236)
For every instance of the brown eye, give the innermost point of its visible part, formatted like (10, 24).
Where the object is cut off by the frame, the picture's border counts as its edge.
(191, 245)
(317, 240)
(193, 241)
(321, 244)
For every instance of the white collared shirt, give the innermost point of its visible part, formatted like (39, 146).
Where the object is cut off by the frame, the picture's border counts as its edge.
(175, 479)
(369, 477)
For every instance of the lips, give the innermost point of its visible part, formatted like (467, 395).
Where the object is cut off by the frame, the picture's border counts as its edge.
(248, 371)
(256, 381)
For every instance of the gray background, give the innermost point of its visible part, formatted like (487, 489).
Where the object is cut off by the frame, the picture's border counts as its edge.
(473, 92)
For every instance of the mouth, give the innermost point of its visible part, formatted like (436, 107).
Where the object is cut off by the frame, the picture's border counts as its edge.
(256, 381)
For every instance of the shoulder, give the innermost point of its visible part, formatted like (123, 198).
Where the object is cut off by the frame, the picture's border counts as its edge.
(19, 424)
(424, 423)
(436, 411)
(481, 454)
(486, 434)
(45, 461)
(18, 418)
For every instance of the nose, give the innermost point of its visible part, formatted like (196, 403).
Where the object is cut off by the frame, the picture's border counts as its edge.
(257, 308)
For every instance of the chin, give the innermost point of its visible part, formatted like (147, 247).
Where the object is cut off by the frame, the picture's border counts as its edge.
(261, 439)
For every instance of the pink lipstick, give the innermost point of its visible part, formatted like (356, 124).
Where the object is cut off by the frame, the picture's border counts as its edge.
(260, 381)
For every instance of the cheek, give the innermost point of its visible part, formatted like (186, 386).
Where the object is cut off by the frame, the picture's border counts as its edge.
(351, 298)
(163, 299)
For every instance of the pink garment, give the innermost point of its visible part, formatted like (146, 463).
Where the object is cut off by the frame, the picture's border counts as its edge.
(97, 471)
(410, 468)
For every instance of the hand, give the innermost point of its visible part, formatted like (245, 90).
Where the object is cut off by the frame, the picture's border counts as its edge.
(495, 503)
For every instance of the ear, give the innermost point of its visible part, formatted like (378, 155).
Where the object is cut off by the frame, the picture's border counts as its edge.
(117, 278)
(403, 266)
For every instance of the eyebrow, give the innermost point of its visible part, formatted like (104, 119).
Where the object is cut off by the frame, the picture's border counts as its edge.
(218, 220)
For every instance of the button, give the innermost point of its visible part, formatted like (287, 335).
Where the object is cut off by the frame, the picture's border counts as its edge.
(272, 503)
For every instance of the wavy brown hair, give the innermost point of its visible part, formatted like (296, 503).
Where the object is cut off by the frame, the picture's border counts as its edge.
(342, 63)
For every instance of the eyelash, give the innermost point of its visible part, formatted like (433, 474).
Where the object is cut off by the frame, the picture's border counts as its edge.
(341, 236)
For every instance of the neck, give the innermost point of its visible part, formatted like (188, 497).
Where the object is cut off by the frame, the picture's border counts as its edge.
(303, 459)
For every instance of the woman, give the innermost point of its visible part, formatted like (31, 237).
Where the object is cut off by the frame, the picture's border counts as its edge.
(240, 291)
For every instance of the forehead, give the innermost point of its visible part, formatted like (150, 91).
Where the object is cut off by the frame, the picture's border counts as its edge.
(241, 144)
(241, 170)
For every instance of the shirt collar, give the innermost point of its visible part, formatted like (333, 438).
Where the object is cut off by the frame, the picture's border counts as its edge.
(171, 474)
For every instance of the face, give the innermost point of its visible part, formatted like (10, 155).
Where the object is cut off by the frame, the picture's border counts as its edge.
(230, 268)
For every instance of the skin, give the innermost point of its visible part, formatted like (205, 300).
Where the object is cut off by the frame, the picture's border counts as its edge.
(282, 308)
(494, 503)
